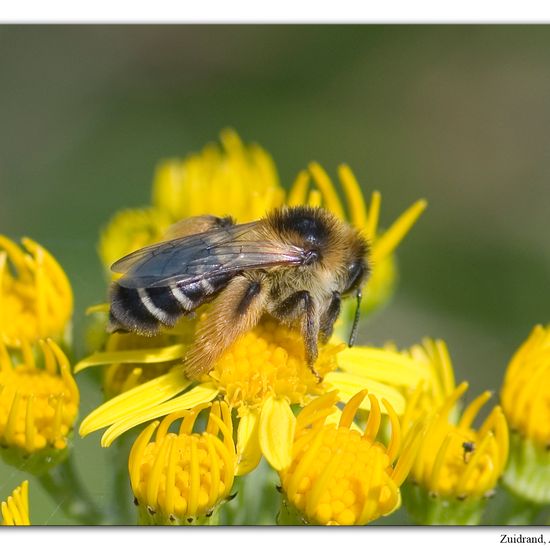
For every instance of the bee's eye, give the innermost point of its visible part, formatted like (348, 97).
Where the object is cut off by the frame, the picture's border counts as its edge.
(355, 274)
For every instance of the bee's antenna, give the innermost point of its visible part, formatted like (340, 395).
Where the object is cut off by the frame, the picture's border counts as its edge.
(353, 334)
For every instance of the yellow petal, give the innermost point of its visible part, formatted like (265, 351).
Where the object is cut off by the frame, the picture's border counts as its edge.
(197, 396)
(349, 384)
(248, 444)
(329, 193)
(276, 432)
(137, 399)
(336, 415)
(383, 365)
(387, 243)
(151, 355)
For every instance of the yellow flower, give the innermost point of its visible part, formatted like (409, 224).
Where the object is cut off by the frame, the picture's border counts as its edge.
(36, 299)
(264, 373)
(38, 406)
(234, 179)
(437, 382)
(15, 510)
(457, 465)
(339, 474)
(364, 217)
(525, 394)
(261, 375)
(130, 230)
(180, 478)
(525, 397)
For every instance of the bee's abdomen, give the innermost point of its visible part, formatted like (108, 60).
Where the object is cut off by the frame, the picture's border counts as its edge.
(145, 310)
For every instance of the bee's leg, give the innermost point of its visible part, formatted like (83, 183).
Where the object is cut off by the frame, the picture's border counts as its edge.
(301, 303)
(237, 309)
(329, 317)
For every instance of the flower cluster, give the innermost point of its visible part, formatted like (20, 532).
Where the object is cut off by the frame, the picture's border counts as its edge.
(38, 406)
(340, 474)
(36, 299)
(370, 428)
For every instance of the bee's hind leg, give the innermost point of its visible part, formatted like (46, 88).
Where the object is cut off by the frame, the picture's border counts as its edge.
(237, 309)
(301, 303)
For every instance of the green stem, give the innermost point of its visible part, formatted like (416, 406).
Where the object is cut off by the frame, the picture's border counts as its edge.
(64, 487)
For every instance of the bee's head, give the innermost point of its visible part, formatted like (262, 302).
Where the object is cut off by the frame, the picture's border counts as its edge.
(306, 227)
(327, 241)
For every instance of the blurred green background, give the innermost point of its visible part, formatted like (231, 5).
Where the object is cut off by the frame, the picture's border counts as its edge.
(459, 115)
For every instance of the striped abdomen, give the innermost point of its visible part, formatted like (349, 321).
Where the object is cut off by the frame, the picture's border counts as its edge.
(146, 310)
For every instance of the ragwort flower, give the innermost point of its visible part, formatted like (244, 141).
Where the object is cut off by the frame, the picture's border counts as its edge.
(261, 375)
(457, 465)
(36, 299)
(38, 407)
(264, 373)
(339, 474)
(181, 478)
(15, 510)
(525, 397)
(234, 179)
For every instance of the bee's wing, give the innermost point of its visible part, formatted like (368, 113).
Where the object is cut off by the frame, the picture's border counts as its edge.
(228, 250)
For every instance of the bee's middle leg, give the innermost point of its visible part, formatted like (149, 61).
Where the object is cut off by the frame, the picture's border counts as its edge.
(301, 304)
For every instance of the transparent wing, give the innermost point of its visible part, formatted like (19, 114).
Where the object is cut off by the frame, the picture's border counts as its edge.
(188, 259)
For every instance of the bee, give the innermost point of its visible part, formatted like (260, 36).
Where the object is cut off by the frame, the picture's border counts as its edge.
(296, 265)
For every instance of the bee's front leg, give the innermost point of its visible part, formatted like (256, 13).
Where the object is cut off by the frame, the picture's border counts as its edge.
(302, 304)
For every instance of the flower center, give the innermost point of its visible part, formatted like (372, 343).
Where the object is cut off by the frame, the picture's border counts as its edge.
(270, 360)
(340, 478)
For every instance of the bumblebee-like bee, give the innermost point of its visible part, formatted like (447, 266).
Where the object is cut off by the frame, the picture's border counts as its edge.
(296, 265)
